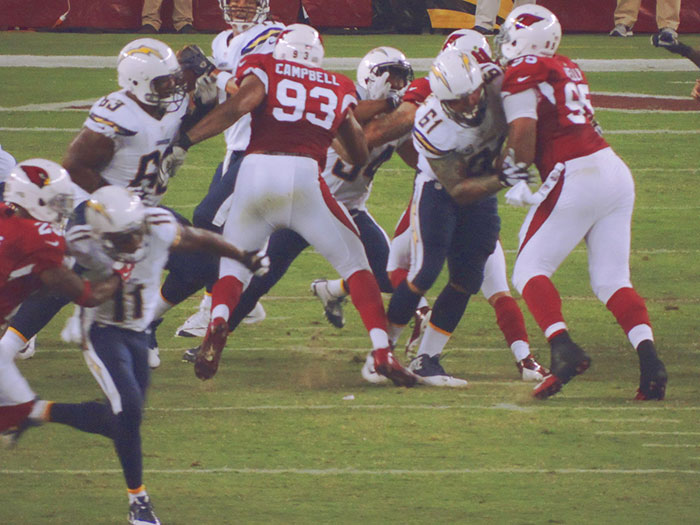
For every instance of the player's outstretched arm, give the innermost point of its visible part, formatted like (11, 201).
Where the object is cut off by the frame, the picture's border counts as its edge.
(85, 293)
(390, 126)
(250, 95)
(196, 239)
(679, 48)
(352, 138)
(87, 155)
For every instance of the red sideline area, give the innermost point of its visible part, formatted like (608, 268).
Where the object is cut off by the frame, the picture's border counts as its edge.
(591, 16)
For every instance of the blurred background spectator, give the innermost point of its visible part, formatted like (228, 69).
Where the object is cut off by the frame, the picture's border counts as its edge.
(182, 17)
(668, 16)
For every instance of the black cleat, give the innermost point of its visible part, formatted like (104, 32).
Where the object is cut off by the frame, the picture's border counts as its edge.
(568, 359)
(652, 376)
(141, 512)
(190, 355)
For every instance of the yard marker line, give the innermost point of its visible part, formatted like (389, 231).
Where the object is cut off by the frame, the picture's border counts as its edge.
(72, 130)
(359, 472)
(646, 432)
(629, 420)
(533, 406)
(662, 445)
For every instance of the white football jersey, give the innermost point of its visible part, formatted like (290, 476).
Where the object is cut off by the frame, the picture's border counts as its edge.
(352, 185)
(435, 135)
(134, 306)
(139, 142)
(227, 51)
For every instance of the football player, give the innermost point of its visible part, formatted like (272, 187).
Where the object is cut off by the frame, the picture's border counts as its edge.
(38, 198)
(250, 32)
(495, 287)
(382, 71)
(550, 124)
(458, 133)
(114, 226)
(297, 109)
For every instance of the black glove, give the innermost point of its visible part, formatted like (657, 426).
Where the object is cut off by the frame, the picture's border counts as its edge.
(193, 59)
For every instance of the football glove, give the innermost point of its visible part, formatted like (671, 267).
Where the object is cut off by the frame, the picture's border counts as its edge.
(513, 172)
(205, 90)
(256, 262)
(193, 59)
(379, 87)
(173, 158)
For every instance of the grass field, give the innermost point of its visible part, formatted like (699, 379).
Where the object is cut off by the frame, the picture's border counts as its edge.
(272, 440)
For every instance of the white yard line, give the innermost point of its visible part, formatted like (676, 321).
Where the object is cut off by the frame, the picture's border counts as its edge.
(662, 445)
(361, 472)
(644, 433)
(499, 407)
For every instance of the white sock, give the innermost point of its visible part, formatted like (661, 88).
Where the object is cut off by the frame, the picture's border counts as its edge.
(379, 338)
(140, 494)
(423, 302)
(433, 341)
(395, 333)
(220, 310)
(520, 350)
(336, 288)
(640, 333)
(14, 389)
(12, 342)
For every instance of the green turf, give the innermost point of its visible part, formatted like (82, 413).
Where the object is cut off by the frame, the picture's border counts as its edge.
(271, 439)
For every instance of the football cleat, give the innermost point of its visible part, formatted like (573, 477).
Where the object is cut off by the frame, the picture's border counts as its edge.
(531, 370)
(370, 374)
(430, 372)
(28, 351)
(10, 437)
(256, 315)
(387, 365)
(652, 382)
(153, 350)
(568, 359)
(420, 322)
(196, 324)
(207, 361)
(549, 386)
(189, 356)
(141, 512)
(332, 305)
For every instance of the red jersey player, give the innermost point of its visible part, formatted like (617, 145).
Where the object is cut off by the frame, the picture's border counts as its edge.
(547, 105)
(38, 196)
(297, 109)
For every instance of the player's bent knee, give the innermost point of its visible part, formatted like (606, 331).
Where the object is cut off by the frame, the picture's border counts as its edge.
(605, 291)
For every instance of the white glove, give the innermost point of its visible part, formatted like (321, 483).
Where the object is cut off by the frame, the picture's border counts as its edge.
(520, 194)
(378, 88)
(172, 159)
(205, 90)
(264, 266)
(513, 172)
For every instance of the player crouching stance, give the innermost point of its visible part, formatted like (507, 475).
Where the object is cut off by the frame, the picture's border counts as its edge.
(117, 227)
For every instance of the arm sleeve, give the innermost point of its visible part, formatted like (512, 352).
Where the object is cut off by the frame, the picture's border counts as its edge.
(522, 104)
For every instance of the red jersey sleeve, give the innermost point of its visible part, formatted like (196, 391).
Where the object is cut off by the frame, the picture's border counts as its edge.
(417, 91)
(524, 73)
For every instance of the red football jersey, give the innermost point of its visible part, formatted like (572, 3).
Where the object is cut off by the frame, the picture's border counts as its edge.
(27, 248)
(302, 110)
(564, 110)
(417, 91)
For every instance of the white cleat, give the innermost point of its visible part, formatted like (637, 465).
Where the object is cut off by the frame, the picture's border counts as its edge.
(332, 305)
(256, 315)
(28, 351)
(531, 370)
(196, 324)
(370, 374)
(430, 372)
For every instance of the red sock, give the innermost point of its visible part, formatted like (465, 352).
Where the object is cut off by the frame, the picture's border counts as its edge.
(14, 414)
(544, 303)
(510, 319)
(628, 308)
(226, 291)
(397, 277)
(367, 298)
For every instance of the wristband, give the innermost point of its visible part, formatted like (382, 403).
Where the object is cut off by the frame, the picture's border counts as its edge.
(222, 79)
(87, 294)
(184, 141)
